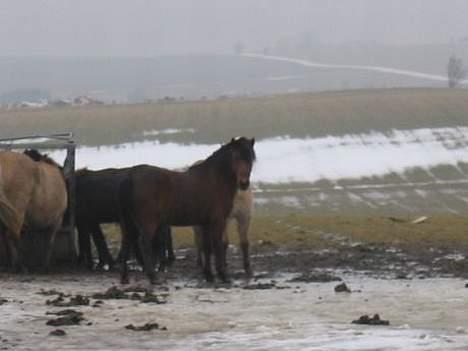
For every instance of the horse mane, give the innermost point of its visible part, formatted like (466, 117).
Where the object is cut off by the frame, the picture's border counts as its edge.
(223, 155)
(81, 171)
(38, 157)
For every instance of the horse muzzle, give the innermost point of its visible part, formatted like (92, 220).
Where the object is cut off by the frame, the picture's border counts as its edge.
(244, 185)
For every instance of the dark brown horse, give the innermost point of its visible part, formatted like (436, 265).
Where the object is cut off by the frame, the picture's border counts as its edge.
(33, 197)
(203, 195)
(97, 202)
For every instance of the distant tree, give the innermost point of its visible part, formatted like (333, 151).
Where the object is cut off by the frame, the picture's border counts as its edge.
(456, 72)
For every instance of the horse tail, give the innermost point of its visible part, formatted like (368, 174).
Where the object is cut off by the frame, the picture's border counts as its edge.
(9, 216)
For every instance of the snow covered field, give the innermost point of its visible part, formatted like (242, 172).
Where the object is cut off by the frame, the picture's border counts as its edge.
(289, 160)
(288, 170)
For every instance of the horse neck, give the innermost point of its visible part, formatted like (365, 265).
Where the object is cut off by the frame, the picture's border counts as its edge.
(214, 172)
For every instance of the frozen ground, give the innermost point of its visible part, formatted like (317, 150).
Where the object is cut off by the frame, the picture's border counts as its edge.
(427, 314)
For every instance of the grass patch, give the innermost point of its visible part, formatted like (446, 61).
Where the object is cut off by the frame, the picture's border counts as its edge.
(298, 231)
(296, 115)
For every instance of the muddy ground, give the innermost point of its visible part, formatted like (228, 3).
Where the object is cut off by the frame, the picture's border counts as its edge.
(291, 303)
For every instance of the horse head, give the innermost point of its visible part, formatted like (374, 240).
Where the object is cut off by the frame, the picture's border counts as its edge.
(243, 157)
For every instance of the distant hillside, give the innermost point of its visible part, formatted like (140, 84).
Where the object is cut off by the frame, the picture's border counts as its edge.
(188, 77)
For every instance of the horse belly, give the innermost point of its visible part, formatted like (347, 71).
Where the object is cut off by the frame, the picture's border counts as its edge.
(185, 218)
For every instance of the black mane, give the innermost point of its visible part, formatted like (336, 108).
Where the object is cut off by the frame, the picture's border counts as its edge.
(241, 145)
(38, 157)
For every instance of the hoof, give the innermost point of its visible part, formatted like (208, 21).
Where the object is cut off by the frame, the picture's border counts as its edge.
(153, 279)
(225, 278)
(209, 277)
(103, 267)
(19, 269)
(249, 273)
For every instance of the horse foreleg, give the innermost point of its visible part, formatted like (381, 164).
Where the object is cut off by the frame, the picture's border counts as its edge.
(219, 250)
(243, 224)
(206, 236)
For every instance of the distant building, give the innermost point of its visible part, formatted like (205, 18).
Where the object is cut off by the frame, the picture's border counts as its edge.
(86, 100)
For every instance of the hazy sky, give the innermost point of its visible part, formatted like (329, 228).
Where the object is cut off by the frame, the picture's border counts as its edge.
(156, 27)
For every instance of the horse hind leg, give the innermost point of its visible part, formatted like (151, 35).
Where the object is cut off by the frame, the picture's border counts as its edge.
(13, 255)
(225, 244)
(102, 249)
(11, 247)
(13, 243)
(124, 255)
(206, 238)
(84, 245)
(50, 237)
(163, 245)
(11, 223)
(170, 247)
(146, 234)
(198, 236)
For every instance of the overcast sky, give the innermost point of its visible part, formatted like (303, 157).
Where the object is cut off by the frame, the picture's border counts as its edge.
(160, 27)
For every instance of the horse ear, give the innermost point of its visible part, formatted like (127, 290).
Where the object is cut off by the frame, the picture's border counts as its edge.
(232, 140)
(252, 142)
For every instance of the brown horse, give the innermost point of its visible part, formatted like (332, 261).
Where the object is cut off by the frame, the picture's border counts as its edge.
(33, 197)
(241, 213)
(203, 195)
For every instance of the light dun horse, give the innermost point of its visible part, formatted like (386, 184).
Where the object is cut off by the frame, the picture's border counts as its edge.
(241, 213)
(33, 197)
(203, 196)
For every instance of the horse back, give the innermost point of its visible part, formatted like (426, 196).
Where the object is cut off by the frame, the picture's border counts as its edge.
(97, 194)
(179, 198)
